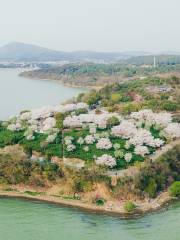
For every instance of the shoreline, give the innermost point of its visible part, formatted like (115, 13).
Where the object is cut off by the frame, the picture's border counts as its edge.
(140, 211)
(22, 74)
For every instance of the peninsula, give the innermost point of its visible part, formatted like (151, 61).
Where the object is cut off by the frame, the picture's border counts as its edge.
(107, 150)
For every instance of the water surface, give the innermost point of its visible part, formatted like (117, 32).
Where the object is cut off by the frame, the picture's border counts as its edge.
(19, 93)
(23, 220)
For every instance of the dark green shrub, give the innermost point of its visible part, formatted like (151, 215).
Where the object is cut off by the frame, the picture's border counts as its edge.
(100, 201)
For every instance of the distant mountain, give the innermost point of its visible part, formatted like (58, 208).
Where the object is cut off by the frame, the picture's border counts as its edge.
(21, 52)
(17, 52)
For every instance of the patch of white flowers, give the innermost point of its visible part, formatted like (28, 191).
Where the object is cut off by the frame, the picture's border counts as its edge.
(173, 130)
(86, 148)
(104, 143)
(70, 147)
(141, 150)
(80, 141)
(116, 146)
(15, 127)
(162, 118)
(100, 120)
(125, 129)
(143, 136)
(89, 139)
(128, 157)
(51, 138)
(68, 140)
(106, 160)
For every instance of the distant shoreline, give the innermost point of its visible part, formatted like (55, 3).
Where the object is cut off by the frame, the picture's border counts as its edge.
(23, 74)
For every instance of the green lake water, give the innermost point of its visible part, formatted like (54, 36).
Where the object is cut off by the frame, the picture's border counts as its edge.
(24, 220)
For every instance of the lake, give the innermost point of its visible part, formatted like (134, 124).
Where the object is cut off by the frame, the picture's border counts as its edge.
(19, 93)
(24, 220)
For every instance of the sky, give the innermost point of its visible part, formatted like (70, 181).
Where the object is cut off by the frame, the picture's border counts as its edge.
(99, 25)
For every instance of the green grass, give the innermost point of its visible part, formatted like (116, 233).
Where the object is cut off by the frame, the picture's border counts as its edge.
(34, 193)
(8, 137)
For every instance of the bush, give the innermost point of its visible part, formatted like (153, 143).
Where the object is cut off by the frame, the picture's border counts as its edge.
(115, 97)
(174, 189)
(129, 206)
(100, 201)
(16, 169)
(81, 185)
(81, 111)
(59, 120)
(151, 188)
(112, 121)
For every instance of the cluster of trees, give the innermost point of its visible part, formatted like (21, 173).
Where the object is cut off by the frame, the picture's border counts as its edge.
(16, 169)
(93, 74)
(122, 97)
(157, 176)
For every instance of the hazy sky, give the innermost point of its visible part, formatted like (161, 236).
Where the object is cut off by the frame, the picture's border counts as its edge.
(103, 25)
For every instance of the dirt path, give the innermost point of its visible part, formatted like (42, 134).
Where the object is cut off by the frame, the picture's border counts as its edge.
(164, 149)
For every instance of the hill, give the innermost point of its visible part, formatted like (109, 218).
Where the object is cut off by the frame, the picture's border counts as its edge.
(21, 52)
(26, 52)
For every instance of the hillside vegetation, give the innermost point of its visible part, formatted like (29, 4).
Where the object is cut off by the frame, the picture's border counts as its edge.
(152, 92)
(98, 75)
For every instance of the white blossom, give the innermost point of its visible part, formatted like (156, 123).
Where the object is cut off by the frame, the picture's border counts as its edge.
(128, 157)
(89, 139)
(70, 147)
(173, 130)
(158, 142)
(106, 160)
(51, 138)
(25, 116)
(163, 118)
(86, 148)
(104, 143)
(30, 137)
(14, 127)
(48, 123)
(119, 154)
(80, 141)
(125, 129)
(127, 145)
(68, 140)
(141, 150)
(116, 146)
